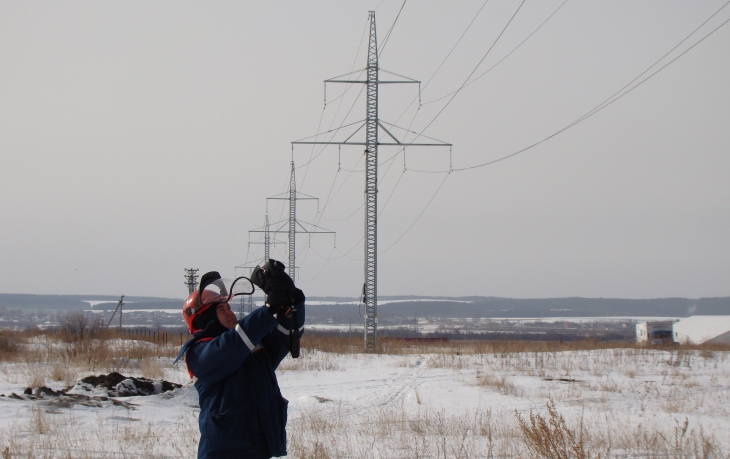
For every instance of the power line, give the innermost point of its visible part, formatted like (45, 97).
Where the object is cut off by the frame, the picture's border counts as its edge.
(387, 36)
(469, 82)
(611, 99)
(419, 215)
(339, 104)
(500, 61)
(600, 106)
(419, 134)
(475, 69)
(335, 130)
(444, 61)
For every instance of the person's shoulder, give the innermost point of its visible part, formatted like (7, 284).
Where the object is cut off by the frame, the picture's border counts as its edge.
(199, 343)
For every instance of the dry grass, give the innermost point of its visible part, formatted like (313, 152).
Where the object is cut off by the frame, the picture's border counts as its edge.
(9, 346)
(498, 383)
(393, 431)
(63, 355)
(550, 437)
(311, 360)
(53, 435)
(343, 344)
(386, 432)
(661, 381)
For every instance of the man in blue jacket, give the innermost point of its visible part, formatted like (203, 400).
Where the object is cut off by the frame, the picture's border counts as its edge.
(242, 412)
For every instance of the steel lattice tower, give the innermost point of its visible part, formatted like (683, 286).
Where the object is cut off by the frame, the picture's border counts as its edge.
(267, 239)
(372, 126)
(291, 224)
(191, 280)
(292, 221)
(370, 294)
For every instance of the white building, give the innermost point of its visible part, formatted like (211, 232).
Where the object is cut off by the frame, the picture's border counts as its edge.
(654, 331)
(702, 329)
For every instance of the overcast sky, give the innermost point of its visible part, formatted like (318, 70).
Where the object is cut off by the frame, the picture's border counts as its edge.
(141, 138)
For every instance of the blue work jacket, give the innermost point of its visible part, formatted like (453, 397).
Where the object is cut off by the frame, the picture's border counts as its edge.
(242, 412)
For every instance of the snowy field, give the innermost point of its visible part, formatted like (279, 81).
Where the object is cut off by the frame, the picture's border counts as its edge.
(453, 402)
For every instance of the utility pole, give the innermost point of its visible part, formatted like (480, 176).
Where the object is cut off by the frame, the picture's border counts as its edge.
(118, 308)
(191, 280)
(292, 223)
(372, 125)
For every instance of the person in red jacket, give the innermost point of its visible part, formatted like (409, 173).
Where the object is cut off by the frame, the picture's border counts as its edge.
(242, 412)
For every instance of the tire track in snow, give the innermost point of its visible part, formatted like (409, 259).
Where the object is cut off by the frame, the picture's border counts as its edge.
(395, 389)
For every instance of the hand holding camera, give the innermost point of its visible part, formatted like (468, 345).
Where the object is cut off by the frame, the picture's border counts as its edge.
(277, 285)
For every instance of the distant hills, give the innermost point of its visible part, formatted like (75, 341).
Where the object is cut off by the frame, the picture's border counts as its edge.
(81, 302)
(492, 307)
(343, 310)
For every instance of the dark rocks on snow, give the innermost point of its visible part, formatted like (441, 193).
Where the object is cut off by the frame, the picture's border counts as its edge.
(114, 384)
(118, 385)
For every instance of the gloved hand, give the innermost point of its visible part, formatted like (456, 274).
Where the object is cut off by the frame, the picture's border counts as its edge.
(282, 291)
(261, 275)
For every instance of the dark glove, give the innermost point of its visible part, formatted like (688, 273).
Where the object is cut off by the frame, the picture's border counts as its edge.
(261, 276)
(280, 281)
(278, 300)
(282, 293)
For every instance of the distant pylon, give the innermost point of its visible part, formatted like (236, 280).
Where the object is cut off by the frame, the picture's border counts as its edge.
(292, 223)
(191, 280)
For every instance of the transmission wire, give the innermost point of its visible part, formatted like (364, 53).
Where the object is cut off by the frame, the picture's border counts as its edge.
(475, 69)
(505, 57)
(600, 106)
(591, 113)
(419, 215)
(387, 36)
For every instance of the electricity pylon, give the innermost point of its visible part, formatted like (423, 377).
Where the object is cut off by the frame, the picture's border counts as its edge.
(267, 237)
(372, 125)
(292, 223)
(191, 280)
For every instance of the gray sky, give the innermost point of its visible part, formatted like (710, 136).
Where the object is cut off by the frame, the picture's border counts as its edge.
(141, 138)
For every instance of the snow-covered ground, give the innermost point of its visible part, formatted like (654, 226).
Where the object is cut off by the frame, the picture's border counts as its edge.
(444, 403)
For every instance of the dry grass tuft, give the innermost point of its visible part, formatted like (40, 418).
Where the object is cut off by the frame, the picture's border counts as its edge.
(551, 438)
(9, 345)
(311, 360)
(498, 382)
(151, 368)
(38, 423)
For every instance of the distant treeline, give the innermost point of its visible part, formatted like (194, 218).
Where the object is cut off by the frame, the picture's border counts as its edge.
(491, 307)
(408, 306)
(80, 302)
